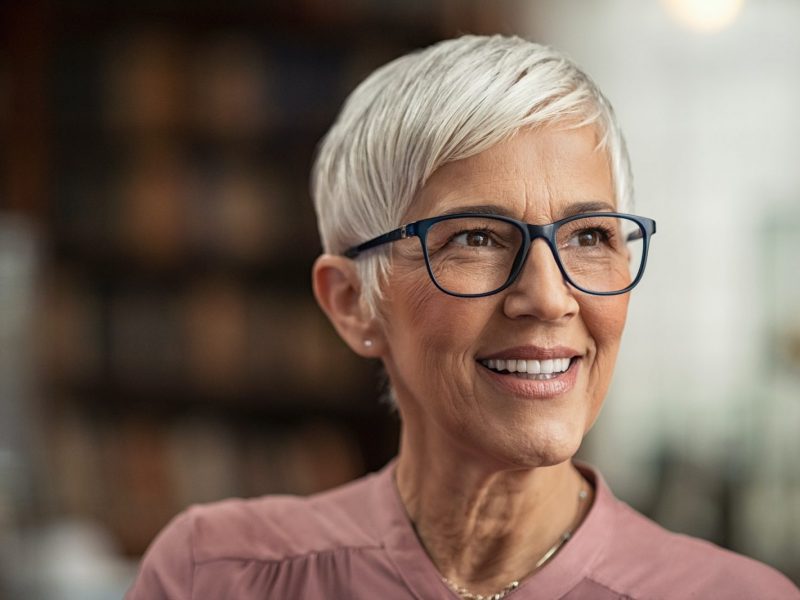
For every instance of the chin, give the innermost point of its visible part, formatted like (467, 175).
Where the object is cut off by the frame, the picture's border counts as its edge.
(543, 445)
(548, 455)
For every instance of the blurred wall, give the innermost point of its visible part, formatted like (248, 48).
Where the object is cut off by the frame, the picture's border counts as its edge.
(701, 426)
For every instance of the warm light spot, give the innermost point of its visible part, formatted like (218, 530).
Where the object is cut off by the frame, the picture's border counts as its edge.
(704, 15)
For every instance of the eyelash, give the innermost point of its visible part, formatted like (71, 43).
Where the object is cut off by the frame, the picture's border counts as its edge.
(484, 230)
(606, 233)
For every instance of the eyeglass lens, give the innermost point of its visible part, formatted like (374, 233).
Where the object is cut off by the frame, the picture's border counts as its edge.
(475, 255)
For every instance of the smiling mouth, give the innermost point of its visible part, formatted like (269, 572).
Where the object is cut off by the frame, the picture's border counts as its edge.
(537, 370)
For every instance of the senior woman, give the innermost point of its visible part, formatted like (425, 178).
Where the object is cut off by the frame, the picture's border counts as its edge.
(473, 201)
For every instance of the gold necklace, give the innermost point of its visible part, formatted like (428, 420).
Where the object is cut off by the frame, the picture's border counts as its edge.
(468, 595)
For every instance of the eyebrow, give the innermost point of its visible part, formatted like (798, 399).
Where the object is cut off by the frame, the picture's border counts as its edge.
(584, 207)
(575, 208)
(481, 209)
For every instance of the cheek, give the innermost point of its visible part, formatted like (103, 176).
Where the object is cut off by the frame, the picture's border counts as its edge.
(604, 317)
(426, 316)
(429, 330)
(605, 321)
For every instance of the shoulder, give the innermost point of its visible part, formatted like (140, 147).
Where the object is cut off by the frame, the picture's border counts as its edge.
(644, 560)
(273, 528)
(266, 529)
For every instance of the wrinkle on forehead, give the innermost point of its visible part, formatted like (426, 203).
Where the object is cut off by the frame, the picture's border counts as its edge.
(535, 174)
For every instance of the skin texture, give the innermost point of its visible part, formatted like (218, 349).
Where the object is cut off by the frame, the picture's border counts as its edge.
(485, 474)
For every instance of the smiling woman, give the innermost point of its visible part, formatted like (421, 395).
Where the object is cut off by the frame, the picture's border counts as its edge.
(434, 343)
(472, 201)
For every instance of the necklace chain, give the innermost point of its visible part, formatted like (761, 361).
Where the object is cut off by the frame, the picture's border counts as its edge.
(468, 595)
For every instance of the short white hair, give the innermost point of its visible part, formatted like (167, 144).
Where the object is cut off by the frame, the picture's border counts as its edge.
(446, 102)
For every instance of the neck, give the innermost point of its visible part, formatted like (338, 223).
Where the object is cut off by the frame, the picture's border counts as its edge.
(484, 524)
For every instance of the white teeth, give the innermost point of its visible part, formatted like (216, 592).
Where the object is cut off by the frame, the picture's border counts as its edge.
(535, 367)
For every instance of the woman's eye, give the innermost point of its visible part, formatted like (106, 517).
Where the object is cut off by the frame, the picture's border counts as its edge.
(588, 238)
(473, 238)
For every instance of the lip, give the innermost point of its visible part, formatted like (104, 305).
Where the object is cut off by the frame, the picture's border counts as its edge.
(533, 353)
(533, 389)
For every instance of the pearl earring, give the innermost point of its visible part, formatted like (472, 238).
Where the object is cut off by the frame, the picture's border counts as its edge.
(368, 343)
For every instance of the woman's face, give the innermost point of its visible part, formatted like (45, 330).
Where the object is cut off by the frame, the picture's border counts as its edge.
(438, 345)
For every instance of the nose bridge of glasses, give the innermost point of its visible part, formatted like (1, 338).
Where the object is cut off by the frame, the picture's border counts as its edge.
(546, 234)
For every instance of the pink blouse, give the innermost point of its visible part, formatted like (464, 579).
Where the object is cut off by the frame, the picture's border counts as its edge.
(357, 542)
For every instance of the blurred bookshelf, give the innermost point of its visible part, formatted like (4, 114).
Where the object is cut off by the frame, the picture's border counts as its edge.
(181, 355)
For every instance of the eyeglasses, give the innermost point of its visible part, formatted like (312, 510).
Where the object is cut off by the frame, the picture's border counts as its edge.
(471, 255)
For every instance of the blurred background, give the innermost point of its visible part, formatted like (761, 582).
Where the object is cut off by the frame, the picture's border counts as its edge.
(159, 342)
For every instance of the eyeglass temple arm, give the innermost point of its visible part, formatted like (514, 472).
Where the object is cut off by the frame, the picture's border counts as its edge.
(635, 235)
(638, 234)
(398, 234)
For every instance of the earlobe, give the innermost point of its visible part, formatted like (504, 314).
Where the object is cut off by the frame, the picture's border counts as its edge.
(337, 288)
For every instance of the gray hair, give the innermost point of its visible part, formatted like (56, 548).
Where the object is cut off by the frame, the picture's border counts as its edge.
(446, 102)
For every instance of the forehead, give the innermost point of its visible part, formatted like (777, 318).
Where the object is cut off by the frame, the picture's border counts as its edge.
(542, 173)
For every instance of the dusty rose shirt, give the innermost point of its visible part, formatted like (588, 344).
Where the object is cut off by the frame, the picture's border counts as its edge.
(356, 542)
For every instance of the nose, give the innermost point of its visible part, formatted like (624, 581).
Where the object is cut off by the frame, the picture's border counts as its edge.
(540, 290)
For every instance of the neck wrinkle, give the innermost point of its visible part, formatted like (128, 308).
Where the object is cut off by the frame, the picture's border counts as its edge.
(481, 524)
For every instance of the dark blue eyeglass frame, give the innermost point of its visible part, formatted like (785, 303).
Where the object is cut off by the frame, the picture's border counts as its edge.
(647, 227)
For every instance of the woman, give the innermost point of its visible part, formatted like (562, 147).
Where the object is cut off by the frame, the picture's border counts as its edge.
(473, 203)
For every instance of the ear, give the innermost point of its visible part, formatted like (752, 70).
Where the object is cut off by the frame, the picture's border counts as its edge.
(337, 288)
